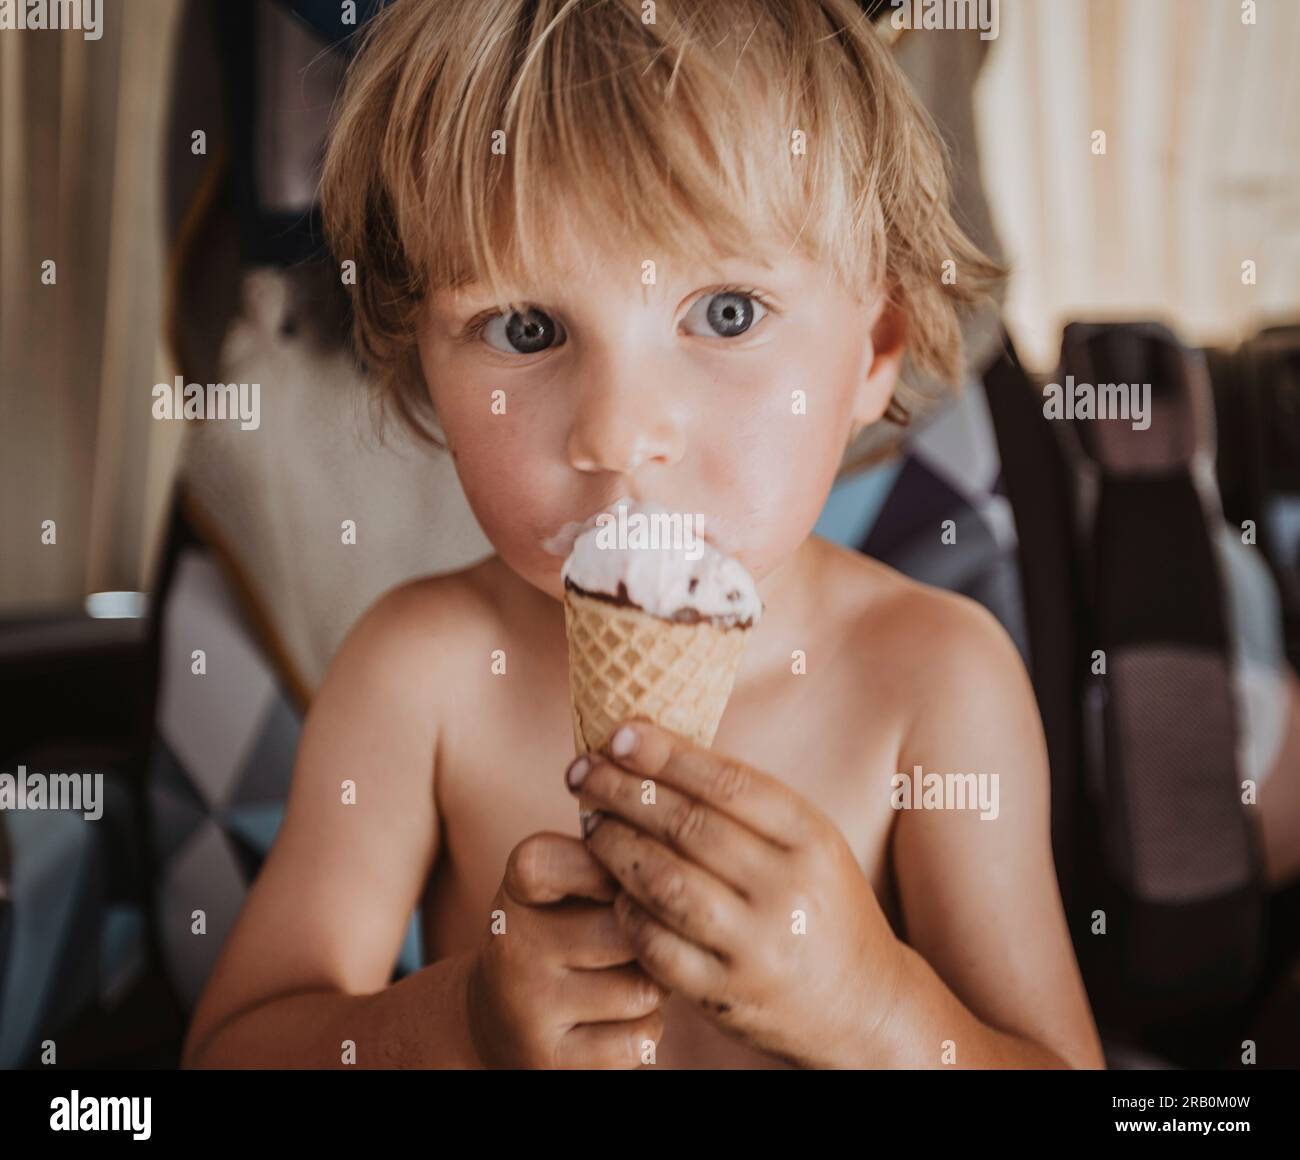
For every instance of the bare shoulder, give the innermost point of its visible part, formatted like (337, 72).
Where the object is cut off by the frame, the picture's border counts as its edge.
(400, 671)
(946, 655)
(886, 605)
(413, 628)
(420, 607)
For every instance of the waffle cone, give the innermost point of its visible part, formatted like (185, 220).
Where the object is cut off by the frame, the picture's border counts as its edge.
(626, 663)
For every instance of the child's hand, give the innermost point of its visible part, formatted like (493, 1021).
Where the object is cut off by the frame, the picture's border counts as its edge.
(560, 966)
(742, 896)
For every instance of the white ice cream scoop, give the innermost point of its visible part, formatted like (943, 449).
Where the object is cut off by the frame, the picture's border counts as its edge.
(658, 561)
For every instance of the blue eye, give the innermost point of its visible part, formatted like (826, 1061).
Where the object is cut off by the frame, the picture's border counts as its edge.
(724, 314)
(516, 333)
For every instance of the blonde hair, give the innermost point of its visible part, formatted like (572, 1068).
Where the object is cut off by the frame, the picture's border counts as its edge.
(465, 125)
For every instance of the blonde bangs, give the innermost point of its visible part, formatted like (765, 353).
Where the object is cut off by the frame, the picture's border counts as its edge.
(633, 137)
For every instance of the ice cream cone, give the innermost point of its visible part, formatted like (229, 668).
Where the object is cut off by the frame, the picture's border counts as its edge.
(624, 662)
(657, 621)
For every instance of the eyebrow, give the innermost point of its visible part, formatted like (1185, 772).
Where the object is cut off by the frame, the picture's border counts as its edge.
(469, 285)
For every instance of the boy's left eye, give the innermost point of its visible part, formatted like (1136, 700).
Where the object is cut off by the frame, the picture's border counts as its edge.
(723, 314)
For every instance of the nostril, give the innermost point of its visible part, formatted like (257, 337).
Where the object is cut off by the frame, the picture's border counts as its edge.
(621, 448)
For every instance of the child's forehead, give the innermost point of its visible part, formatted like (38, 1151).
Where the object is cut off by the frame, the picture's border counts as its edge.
(560, 269)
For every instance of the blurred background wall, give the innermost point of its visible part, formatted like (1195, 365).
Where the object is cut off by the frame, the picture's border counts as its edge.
(1201, 172)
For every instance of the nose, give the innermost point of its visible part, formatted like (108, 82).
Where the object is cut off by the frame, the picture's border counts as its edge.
(623, 421)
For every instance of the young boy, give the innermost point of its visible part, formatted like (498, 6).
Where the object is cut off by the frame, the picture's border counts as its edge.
(675, 252)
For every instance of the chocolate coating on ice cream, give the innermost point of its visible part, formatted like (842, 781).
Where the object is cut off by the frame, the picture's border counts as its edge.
(681, 616)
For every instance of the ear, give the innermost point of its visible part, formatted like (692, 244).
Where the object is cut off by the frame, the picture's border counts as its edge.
(888, 345)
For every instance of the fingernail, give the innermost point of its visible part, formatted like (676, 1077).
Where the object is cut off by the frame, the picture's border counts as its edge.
(623, 742)
(590, 822)
(577, 772)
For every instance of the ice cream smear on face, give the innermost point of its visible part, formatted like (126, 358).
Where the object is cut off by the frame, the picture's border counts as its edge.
(640, 554)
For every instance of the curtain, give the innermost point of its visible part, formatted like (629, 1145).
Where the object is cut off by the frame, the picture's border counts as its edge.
(81, 125)
(1201, 171)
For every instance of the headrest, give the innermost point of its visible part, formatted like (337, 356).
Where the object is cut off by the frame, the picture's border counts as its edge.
(1139, 399)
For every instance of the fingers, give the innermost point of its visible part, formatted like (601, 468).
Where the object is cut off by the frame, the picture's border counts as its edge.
(615, 995)
(684, 897)
(762, 802)
(672, 961)
(584, 936)
(730, 851)
(546, 868)
(610, 1045)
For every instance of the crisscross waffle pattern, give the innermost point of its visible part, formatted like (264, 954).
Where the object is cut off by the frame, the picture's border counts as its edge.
(626, 663)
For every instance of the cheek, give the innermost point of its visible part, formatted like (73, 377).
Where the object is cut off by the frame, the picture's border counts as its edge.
(782, 480)
(514, 486)
(775, 459)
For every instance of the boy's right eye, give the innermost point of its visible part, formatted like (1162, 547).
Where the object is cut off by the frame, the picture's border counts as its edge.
(521, 333)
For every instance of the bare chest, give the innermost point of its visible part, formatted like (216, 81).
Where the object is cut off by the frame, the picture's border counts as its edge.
(504, 783)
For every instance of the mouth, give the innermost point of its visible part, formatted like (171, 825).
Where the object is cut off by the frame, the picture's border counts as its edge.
(561, 542)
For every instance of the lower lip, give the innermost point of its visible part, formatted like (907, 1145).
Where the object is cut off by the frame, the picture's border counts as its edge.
(561, 543)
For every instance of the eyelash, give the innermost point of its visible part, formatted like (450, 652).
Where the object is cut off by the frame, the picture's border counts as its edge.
(475, 327)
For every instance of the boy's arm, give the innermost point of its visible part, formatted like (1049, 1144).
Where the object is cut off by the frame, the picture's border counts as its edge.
(416, 1022)
(308, 963)
(991, 967)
